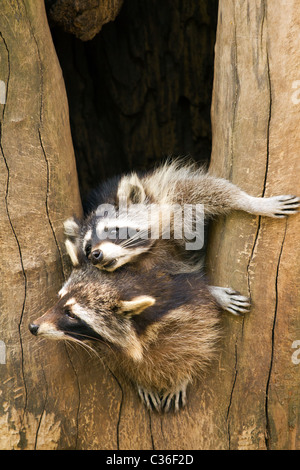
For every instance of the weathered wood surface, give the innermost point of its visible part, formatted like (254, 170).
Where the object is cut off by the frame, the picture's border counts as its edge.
(39, 189)
(256, 144)
(55, 397)
(84, 18)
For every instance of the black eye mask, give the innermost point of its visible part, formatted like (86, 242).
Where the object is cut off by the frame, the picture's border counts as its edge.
(77, 328)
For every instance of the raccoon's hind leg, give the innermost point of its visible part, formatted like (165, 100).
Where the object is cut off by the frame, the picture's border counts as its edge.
(150, 399)
(176, 398)
(230, 300)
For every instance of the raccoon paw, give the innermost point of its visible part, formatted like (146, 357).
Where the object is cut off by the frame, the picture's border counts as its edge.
(150, 399)
(230, 300)
(280, 206)
(176, 399)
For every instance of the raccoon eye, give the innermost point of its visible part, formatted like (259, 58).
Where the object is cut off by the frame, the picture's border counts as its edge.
(70, 314)
(88, 250)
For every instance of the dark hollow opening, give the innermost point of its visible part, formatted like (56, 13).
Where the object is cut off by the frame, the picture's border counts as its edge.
(140, 90)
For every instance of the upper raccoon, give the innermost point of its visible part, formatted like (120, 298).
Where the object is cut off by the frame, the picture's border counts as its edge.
(171, 185)
(159, 330)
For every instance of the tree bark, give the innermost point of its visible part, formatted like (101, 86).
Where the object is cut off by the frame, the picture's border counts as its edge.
(39, 190)
(83, 18)
(55, 397)
(255, 115)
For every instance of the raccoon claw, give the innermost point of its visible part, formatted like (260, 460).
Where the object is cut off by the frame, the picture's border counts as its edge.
(238, 304)
(230, 300)
(178, 398)
(280, 207)
(163, 402)
(150, 399)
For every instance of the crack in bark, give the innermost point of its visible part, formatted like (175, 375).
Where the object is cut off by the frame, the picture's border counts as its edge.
(14, 232)
(41, 90)
(79, 395)
(23, 273)
(121, 406)
(150, 429)
(235, 105)
(46, 203)
(268, 428)
(258, 227)
(269, 118)
(47, 206)
(268, 432)
(41, 141)
(237, 92)
(231, 395)
(42, 414)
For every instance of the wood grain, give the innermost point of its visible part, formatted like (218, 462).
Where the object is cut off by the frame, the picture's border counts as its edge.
(53, 396)
(256, 146)
(39, 190)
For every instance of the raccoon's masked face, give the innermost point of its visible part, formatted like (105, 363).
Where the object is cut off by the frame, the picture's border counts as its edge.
(63, 322)
(107, 245)
(110, 246)
(90, 308)
(113, 235)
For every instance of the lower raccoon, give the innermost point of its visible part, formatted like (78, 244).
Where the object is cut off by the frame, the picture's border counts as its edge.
(160, 330)
(174, 184)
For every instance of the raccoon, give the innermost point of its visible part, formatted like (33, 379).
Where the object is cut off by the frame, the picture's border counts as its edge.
(166, 189)
(174, 184)
(160, 330)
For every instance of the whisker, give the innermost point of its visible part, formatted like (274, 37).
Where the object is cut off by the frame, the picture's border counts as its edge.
(133, 239)
(88, 338)
(85, 346)
(70, 345)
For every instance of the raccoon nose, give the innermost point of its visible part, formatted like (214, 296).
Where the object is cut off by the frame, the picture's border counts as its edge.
(96, 256)
(33, 328)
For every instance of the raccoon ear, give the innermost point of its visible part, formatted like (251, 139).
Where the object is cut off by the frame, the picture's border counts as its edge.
(136, 305)
(72, 252)
(131, 188)
(71, 227)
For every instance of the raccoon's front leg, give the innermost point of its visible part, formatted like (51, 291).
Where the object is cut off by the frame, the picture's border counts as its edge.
(230, 300)
(220, 196)
(276, 206)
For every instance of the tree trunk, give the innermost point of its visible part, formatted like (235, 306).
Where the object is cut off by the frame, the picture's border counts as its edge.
(83, 18)
(256, 144)
(55, 397)
(39, 190)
